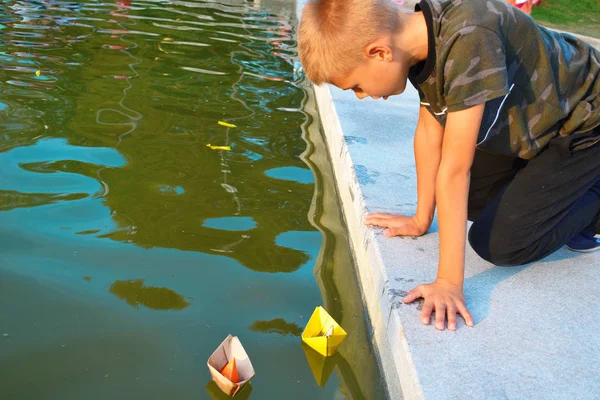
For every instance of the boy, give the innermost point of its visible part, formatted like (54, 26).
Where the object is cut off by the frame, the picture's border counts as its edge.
(508, 127)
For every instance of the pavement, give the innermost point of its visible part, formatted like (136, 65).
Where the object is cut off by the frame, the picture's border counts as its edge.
(536, 332)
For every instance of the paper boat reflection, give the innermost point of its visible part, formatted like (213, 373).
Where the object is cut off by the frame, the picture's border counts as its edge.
(215, 392)
(320, 366)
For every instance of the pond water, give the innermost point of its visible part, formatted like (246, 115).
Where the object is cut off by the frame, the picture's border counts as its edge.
(130, 248)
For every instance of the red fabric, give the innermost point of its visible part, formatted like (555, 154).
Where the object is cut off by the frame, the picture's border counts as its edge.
(526, 6)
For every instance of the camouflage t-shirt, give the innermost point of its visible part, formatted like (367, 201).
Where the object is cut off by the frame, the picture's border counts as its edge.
(536, 84)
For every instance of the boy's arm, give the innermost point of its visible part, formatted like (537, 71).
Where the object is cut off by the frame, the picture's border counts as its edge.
(445, 295)
(428, 153)
(453, 181)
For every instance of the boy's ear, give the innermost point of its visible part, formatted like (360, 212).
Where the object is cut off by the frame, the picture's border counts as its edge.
(379, 51)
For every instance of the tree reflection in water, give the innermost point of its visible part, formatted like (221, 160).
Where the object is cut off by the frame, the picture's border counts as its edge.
(135, 293)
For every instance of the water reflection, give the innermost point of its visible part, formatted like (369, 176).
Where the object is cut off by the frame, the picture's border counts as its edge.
(135, 293)
(301, 175)
(145, 91)
(10, 199)
(54, 166)
(216, 394)
(320, 366)
(231, 223)
(277, 325)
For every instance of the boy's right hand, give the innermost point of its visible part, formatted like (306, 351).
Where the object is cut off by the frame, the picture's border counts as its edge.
(398, 224)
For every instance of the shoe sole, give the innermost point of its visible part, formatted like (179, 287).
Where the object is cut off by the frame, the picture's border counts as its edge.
(583, 251)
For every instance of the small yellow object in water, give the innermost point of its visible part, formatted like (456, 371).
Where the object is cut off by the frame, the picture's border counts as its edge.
(219, 147)
(38, 72)
(323, 333)
(227, 124)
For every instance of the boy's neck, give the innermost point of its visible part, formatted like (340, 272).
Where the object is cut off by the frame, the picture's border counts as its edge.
(412, 40)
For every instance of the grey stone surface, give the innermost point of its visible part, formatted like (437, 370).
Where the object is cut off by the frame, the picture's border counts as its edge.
(536, 333)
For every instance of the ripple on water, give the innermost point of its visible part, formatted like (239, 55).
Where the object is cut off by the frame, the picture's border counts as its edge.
(167, 189)
(135, 293)
(277, 325)
(230, 223)
(296, 174)
(22, 173)
(203, 71)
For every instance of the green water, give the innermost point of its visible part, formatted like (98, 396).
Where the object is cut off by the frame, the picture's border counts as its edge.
(128, 248)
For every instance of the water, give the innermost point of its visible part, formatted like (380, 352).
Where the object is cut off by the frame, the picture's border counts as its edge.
(129, 249)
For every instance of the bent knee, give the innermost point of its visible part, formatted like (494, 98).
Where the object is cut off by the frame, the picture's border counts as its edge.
(496, 249)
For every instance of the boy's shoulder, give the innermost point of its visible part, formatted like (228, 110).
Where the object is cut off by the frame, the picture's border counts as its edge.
(452, 17)
(534, 81)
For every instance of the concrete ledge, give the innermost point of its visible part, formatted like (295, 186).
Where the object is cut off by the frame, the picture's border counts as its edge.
(387, 330)
(536, 325)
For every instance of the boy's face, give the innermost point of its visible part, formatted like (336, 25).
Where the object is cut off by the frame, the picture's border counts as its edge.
(381, 75)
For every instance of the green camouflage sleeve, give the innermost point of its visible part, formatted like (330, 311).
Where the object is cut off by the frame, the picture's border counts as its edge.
(475, 69)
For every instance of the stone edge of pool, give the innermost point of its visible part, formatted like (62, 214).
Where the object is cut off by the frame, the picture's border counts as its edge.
(397, 367)
(375, 172)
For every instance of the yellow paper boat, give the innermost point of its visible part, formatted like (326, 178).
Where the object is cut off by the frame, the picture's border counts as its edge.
(215, 392)
(320, 366)
(218, 147)
(227, 124)
(322, 333)
(230, 348)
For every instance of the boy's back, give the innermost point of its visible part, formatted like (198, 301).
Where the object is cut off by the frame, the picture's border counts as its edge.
(536, 83)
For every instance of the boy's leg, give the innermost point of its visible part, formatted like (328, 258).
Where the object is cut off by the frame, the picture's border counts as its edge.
(550, 200)
(490, 174)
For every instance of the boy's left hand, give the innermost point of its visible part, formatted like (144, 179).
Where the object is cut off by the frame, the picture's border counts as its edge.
(443, 297)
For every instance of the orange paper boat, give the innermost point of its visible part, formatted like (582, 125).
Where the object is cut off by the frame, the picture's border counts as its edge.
(231, 349)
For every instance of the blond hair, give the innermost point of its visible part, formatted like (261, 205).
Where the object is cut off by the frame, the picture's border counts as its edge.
(333, 34)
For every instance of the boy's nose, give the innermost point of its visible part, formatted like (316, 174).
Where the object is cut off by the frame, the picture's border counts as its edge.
(361, 95)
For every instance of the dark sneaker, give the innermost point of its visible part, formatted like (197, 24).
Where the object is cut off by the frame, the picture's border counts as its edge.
(585, 242)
